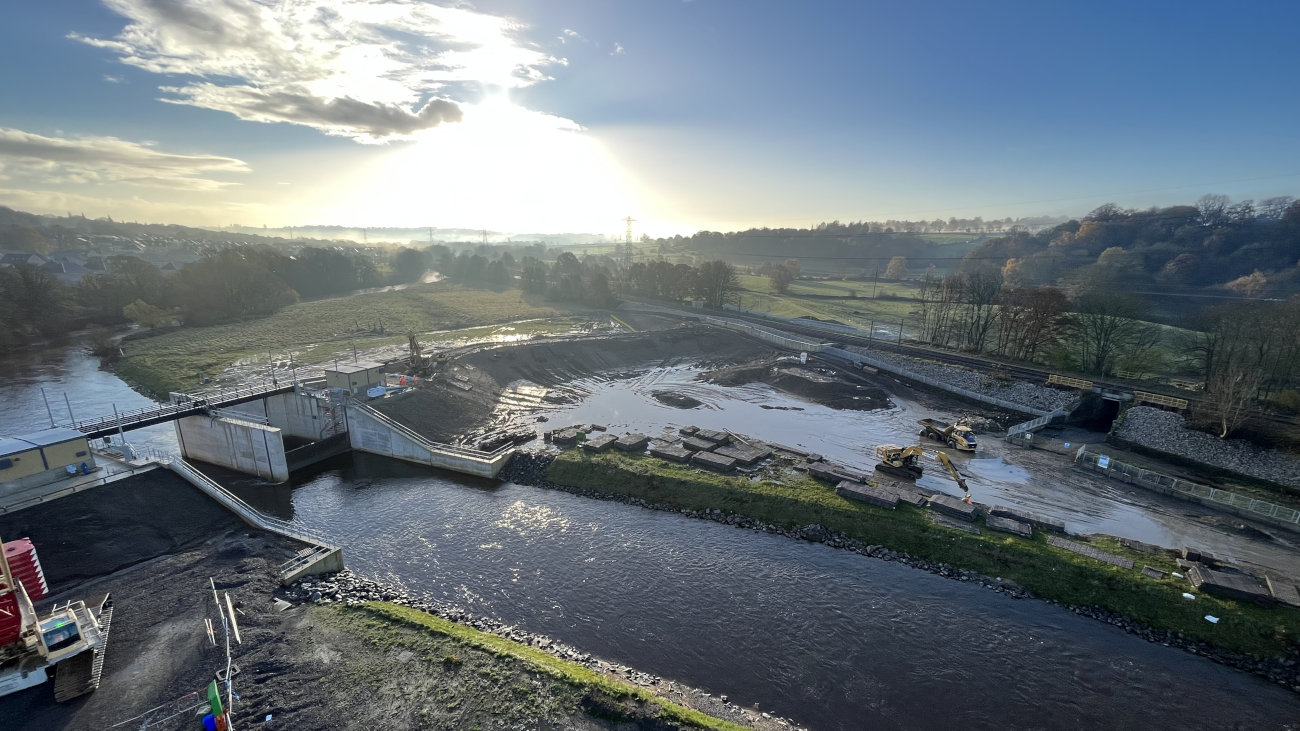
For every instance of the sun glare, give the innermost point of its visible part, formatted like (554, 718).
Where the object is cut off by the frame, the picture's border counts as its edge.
(503, 168)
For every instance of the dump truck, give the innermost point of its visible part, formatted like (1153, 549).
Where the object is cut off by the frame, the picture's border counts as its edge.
(957, 437)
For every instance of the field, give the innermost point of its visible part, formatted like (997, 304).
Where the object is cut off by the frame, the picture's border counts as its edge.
(791, 500)
(847, 302)
(315, 331)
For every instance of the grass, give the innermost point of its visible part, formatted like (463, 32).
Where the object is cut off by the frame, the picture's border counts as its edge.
(573, 674)
(314, 331)
(1048, 572)
(847, 302)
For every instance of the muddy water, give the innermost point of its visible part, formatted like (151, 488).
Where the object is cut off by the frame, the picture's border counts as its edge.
(832, 639)
(996, 473)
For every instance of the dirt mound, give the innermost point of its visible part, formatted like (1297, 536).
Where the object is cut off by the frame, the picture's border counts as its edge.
(819, 385)
(81, 536)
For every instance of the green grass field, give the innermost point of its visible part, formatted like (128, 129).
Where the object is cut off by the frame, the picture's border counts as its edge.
(793, 499)
(317, 330)
(847, 302)
(386, 615)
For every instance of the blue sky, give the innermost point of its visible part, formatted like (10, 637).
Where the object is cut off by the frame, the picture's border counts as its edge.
(709, 114)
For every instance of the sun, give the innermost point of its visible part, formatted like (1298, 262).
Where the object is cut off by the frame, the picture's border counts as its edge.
(503, 167)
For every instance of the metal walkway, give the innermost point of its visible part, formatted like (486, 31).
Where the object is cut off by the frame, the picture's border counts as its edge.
(182, 405)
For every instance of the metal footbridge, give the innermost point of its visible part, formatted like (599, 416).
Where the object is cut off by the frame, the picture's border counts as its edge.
(181, 405)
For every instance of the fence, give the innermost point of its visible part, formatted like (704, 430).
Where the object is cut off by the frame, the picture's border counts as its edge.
(1195, 491)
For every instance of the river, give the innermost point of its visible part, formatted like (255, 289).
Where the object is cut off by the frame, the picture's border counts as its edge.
(832, 639)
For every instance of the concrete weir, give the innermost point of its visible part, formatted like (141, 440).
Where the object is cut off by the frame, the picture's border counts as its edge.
(371, 431)
(245, 446)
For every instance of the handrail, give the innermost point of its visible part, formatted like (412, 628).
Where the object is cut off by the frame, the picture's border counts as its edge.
(432, 446)
(243, 509)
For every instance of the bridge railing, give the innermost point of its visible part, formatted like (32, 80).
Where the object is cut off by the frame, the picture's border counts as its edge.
(1029, 426)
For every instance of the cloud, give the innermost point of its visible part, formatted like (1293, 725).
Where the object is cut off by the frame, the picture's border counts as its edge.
(367, 70)
(618, 50)
(338, 116)
(55, 202)
(84, 160)
(112, 79)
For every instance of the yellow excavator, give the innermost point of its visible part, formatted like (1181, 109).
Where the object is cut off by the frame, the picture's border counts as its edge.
(903, 462)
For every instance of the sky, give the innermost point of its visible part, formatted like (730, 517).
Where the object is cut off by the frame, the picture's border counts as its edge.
(687, 115)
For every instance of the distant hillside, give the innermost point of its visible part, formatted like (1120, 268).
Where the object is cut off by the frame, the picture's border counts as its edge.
(1213, 248)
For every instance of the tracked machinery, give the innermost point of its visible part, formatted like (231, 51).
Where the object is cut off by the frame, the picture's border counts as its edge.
(904, 462)
(69, 639)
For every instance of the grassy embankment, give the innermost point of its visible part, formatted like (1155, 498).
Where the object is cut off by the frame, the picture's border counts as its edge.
(1048, 572)
(476, 677)
(317, 330)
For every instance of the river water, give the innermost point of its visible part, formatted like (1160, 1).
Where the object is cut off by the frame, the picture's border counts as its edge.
(832, 639)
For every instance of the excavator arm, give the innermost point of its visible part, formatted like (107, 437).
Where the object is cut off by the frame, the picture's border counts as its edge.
(952, 470)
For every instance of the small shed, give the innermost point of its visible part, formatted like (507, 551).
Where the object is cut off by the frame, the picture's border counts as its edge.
(356, 378)
(44, 456)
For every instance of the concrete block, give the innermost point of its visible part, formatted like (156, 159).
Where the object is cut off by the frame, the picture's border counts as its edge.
(1007, 525)
(632, 442)
(671, 453)
(600, 443)
(866, 493)
(712, 461)
(1154, 573)
(953, 507)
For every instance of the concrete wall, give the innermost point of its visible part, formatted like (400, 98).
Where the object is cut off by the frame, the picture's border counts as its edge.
(239, 445)
(297, 415)
(368, 431)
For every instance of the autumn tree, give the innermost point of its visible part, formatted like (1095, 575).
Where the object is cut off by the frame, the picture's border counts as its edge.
(897, 268)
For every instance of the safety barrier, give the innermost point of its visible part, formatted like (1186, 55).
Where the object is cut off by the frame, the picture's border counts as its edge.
(1235, 502)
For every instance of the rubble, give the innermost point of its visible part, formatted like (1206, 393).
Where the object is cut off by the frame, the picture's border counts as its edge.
(1165, 431)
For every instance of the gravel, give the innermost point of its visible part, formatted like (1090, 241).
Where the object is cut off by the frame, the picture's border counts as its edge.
(1165, 431)
(1017, 392)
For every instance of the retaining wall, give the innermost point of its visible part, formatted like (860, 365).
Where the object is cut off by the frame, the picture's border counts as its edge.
(370, 431)
(244, 446)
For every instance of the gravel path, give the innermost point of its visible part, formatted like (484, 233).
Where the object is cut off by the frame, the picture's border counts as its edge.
(1166, 431)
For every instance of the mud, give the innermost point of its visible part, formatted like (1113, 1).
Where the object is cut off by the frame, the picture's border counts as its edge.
(484, 390)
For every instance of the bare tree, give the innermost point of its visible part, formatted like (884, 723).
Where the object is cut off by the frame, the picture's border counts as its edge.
(1106, 325)
(1231, 391)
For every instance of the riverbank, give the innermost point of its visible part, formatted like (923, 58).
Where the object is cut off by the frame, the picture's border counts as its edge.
(1257, 639)
(159, 546)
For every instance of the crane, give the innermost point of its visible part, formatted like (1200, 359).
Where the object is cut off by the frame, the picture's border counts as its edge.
(903, 462)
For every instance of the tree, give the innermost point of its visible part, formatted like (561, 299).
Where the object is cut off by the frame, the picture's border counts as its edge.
(532, 279)
(148, 315)
(780, 278)
(980, 295)
(409, 265)
(1029, 320)
(716, 283)
(897, 268)
(1249, 285)
(1106, 325)
(1231, 390)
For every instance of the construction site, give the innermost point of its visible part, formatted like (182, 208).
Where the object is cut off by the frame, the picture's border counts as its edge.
(185, 576)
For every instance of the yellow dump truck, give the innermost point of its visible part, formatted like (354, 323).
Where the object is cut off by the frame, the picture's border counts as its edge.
(958, 437)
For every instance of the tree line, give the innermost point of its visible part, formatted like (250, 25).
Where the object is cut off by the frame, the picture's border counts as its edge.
(226, 285)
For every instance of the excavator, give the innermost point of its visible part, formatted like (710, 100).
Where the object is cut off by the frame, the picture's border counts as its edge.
(903, 462)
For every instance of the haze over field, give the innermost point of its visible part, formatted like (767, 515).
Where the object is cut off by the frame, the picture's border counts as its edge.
(709, 114)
